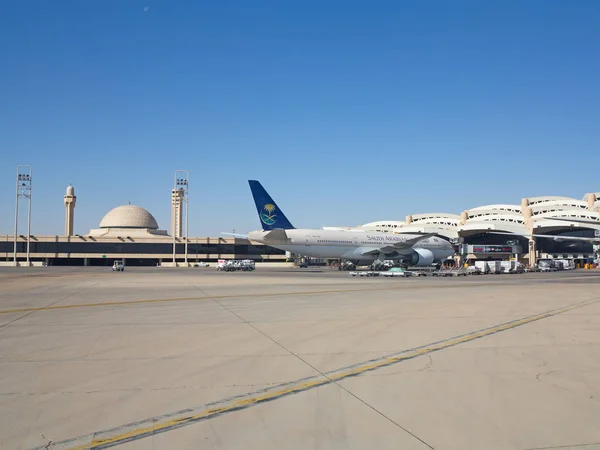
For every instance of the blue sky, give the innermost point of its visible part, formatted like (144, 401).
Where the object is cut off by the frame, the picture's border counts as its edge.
(347, 111)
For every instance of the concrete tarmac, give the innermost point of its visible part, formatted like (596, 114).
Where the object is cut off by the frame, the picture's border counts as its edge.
(294, 359)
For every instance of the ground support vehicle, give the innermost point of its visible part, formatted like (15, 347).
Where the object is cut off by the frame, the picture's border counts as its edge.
(244, 265)
(397, 272)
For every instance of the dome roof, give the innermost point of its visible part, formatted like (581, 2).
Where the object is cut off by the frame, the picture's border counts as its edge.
(129, 216)
(70, 190)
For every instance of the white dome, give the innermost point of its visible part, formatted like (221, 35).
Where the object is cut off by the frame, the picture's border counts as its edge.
(70, 190)
(129, 216)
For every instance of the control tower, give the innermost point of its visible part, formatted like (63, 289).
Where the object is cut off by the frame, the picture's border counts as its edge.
(70, 201)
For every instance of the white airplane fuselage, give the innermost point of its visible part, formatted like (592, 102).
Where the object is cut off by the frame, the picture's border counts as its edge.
(353, 245)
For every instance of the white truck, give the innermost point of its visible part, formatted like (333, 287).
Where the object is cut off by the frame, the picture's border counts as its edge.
(547, 265)
(489, 266)
(567, 264)
(244, 265)
(512, 267)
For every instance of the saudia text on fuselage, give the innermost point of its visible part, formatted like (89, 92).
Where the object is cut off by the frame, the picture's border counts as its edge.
(385, 238)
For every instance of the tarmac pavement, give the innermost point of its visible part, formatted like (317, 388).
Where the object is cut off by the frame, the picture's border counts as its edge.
(296, 359)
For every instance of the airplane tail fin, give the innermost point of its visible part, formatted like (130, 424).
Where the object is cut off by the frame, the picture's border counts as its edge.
(270, 215)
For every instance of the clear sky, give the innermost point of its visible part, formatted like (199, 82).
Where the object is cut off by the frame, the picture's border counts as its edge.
(347, 111)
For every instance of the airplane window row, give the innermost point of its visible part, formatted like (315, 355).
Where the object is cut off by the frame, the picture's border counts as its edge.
(327, 241)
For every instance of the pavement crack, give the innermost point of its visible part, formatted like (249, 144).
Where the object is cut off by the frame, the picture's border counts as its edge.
(46, 439)
(428, 365)
(537, 377)
(570, 446)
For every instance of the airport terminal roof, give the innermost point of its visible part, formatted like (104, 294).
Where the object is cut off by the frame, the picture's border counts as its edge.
(129, 216)
(534, 214)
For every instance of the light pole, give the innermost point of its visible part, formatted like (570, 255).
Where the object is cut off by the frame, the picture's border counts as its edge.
(181, 180)
(173, 223)
(23, 190)
(16, 219)
(180, 197)
(514, 244)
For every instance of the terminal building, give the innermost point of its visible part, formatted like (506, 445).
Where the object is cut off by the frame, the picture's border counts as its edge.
(474, 230)
(131, 234)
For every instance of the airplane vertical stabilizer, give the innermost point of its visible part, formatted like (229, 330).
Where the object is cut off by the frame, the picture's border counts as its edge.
(270, 215)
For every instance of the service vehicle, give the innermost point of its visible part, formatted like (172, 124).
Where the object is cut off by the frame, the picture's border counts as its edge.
(244, 265)
(547, 265)
(459, 272)
(442, 273)
(397, 272)
(474, 270)
(370, 273)
(347, 265)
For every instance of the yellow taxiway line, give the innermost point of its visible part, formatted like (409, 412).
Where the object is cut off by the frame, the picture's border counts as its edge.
(185, 299)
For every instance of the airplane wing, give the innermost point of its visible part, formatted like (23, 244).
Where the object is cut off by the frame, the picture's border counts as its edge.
(552, 236)
(399, 246)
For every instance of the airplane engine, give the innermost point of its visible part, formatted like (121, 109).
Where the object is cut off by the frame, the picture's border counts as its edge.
(422, 257)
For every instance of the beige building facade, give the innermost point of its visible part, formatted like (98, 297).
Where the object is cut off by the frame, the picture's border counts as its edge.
(131, 234)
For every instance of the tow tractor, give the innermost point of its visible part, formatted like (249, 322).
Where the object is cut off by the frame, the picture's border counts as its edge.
(347, 265)
(382, 265)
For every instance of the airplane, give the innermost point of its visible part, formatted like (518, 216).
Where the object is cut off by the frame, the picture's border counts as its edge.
(360, 247)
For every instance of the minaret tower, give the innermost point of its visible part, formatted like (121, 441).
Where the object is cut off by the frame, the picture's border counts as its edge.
(177, 196)
(70, 200)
